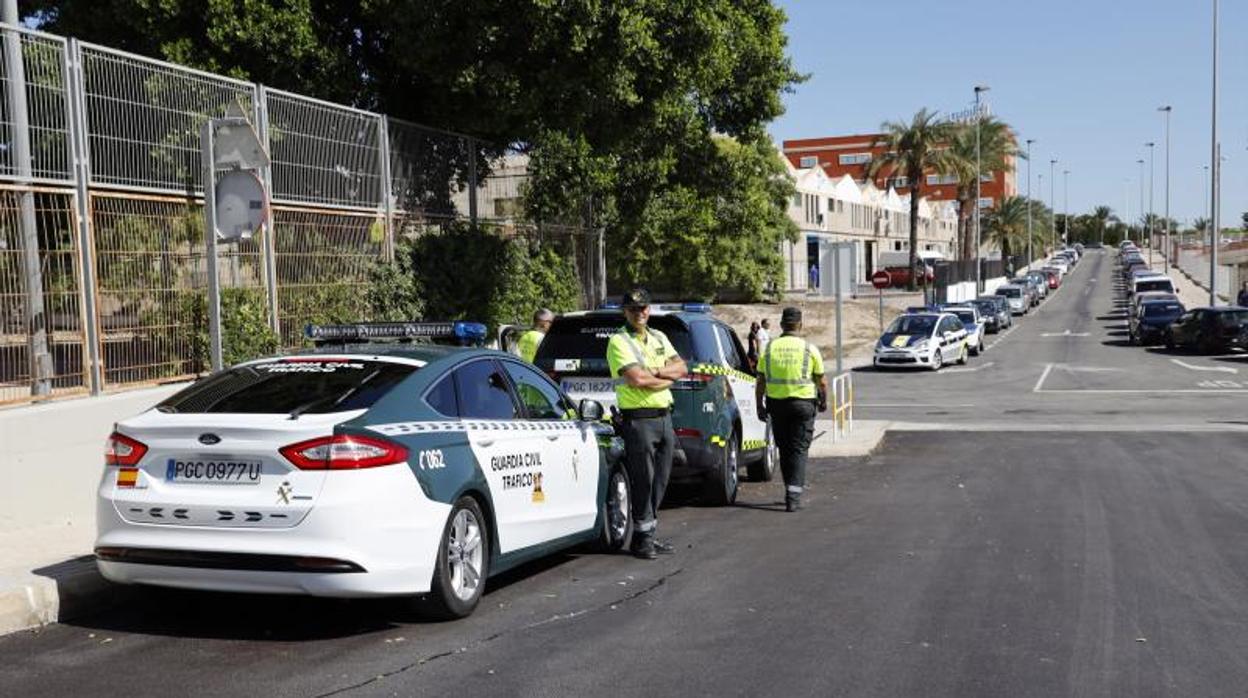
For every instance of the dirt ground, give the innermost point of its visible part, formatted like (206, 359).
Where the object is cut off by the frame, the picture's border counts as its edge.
(860, 327)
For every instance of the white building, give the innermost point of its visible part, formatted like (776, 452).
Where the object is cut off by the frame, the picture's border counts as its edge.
(875, 223)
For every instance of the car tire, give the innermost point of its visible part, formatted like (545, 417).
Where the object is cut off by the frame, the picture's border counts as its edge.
(722, 483)
(962, 355)
(977, 349)
(764, 469)
(452, 594)
(1169, 340)
(937, 360)
(616, 513)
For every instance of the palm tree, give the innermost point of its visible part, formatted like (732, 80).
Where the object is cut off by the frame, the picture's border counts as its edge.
(1007, 225)
(997, 146)
(913, 150)
(1101, 216)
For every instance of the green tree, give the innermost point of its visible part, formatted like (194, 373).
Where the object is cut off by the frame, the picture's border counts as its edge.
(912, 150)
(1007, 225)
(997, 151)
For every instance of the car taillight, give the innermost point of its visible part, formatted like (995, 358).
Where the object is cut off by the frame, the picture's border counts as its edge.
(120, 449)
(694, 381)
(689, 433)
(343, 452)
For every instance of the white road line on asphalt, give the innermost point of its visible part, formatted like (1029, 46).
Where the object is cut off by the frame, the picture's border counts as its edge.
(969, 369)
(1047, 369)
(1142, 391)
(909, 404)
(1067, 333)
(1219, 369)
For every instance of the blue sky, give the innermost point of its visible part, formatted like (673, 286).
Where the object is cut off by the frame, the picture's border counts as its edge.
(1082, 78)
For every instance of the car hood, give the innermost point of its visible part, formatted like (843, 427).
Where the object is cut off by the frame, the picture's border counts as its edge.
(900, 341)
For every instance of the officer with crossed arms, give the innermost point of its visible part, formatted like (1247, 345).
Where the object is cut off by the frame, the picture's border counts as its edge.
(644, 365)
(791, 386)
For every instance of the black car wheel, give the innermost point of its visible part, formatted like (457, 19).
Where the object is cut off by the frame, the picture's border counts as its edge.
(763, 469)
(721, 484)
(616, 513)
(463, 563)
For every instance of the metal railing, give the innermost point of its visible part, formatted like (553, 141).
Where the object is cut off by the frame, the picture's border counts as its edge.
(841, 399)
(103, 268)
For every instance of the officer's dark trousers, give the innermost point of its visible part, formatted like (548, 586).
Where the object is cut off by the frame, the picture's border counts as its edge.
(793, 425)
(648, 447)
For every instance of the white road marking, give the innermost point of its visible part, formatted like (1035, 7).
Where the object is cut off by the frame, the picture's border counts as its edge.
(908, 405)
(1218, 369)
(1141, 391)
(1088, 369)
(1047, 369)
(968, 369)
(1067, 333)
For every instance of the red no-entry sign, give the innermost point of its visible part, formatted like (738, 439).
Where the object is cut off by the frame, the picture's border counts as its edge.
(881, 279)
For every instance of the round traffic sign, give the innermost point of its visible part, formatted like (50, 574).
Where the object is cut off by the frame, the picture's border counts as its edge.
(241, 205)
(881, 279)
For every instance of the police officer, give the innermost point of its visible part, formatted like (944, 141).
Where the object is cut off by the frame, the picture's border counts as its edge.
(791, 379)
(531, 340)
(644, 364)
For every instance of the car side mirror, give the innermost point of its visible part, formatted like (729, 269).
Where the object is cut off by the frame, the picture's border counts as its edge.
(590, 411)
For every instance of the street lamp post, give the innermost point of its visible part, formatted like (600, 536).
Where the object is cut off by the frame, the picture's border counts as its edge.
(1140, 162)
(1052, 207)
(1065, 207)
(1126, 199)
(1031, 258)
(1169, 251)
(979, 178)
(1151, 232)
(1217, 167)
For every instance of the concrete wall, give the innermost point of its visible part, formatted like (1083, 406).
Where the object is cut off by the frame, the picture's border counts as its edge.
(51, 456)
(965, 291)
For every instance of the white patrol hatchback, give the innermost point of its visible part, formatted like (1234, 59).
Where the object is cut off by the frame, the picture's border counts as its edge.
(360, 470)
(926, 340)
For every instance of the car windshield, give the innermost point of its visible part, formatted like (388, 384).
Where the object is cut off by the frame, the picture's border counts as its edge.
(964, 315)
(585, 338)
(1153, 310)
(912, 324)
(1010, 292)
(1153, 285)
(300, 384)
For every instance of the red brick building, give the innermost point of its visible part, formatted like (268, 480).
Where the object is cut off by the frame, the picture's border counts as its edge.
(850, 155)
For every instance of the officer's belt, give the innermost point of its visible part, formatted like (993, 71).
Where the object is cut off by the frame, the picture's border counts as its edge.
(646, 412)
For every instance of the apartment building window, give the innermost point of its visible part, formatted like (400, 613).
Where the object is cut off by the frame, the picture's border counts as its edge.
(797, 199)
(988, 177)
(897, 245)
(840, 207)
(986, 202)
(899, 182)
(808, 161)
(936, 180)
(854, 158)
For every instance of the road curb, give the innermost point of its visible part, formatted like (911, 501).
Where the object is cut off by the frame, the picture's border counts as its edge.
(55, 593)
(862, 441)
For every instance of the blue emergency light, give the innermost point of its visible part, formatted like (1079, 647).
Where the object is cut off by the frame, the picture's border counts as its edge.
(459, 331)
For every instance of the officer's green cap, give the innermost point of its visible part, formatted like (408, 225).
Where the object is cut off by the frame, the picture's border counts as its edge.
(637, 298)
(790, 316)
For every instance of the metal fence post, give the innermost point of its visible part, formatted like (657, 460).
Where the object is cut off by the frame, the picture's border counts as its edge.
(387, 187)
(210, 238)
(472, 181)
(269, 248)
(74, 88)
(41, 368)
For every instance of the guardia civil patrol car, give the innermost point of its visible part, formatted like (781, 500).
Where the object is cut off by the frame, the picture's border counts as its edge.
(714, 414)
(360, 469)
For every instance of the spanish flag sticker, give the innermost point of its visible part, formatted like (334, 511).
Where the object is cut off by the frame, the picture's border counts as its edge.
(900, 340)
(127, 477)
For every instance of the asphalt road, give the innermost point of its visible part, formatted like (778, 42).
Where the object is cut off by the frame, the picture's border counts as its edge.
(1016, 559)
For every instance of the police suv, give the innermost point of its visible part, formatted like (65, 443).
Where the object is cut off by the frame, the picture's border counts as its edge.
(714, 415)
(360, 469)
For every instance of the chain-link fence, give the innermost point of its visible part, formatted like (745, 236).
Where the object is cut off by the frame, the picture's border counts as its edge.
(103, 259)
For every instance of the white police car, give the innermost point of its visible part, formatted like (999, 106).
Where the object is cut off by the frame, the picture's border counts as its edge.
(974, 324)
(360, 470)
(923, 339)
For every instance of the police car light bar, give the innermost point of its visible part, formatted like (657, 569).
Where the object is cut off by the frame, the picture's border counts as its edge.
(463, 332)
(696, 307)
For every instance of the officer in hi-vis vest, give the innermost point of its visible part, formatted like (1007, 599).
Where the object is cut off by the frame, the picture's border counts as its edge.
(791, 379)
(644, 364)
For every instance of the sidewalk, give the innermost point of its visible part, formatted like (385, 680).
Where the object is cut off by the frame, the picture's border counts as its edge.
(861, 441)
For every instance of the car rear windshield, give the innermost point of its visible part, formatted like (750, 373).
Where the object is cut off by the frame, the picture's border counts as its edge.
(301, 385)
(1010, 292)
(964, 315)
(585, 338)
(1153, 285)
(1162, 309)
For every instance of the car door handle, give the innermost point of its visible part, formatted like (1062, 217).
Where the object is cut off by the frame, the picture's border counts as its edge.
(552, 437)
(486, 443)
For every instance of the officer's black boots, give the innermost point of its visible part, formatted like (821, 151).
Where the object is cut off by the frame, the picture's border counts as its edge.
(644, 548)
(792, 503)
(663, 547)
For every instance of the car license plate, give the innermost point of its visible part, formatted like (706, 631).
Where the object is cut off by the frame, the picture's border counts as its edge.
(583, 386)
(214, 472)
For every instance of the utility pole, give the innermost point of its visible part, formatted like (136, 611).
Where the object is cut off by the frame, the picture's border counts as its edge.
(1151, 227)
(1031, 258)
(40, 359)
(1169, 250)
(1066, 207)
(1052, 207)
(979, 178)
(1140, 162)
(1216, 173)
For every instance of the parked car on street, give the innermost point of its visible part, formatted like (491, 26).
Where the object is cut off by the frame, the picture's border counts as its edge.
(973, 323)
(899, 276)
(1207, 330)
(1016, 296)
(989, 312)
(1148, 323)
(924, 340)
(1005, 318)
(1142, 284)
